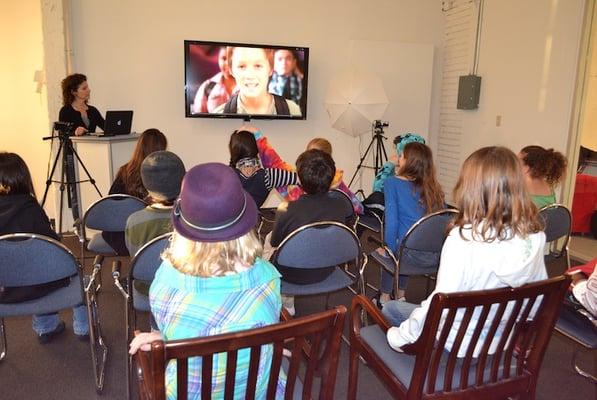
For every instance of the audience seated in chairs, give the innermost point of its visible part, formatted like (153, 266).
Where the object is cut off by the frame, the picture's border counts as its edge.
(496, 239)
(213, 279)
(21, 213)
(316, 170)
(271, 159)
(161, 173)
(128, 180)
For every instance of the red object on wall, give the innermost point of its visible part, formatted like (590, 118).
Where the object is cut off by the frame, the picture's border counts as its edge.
(584, 203)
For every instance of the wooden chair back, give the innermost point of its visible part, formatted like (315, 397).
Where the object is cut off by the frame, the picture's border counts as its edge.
(507, 331)
(314, 339)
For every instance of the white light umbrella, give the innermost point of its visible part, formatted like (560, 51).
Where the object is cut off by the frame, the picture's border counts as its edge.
(354, 100)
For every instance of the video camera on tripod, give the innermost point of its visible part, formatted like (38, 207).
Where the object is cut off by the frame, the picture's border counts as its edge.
(378, 125)
(64, 128)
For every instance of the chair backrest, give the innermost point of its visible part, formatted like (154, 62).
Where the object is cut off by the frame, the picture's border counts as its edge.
(315, 338)
(318, 245)
(558, 222)
(505, 332)
(28, 259)
(111, 212)
(422, 244)
(352, 217)
(147, 260)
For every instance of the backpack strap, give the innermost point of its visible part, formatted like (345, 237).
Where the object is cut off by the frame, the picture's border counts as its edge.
(281, 105)
(230, 107)
(208, 88)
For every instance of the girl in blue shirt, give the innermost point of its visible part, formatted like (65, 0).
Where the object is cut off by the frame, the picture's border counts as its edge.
(413, 193)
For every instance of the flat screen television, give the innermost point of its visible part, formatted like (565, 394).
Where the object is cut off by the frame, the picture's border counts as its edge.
(238, 80)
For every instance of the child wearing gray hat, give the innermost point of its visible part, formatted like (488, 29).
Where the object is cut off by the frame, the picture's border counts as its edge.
(161, 173)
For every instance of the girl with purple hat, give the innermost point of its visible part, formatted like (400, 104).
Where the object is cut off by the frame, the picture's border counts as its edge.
(213, 279)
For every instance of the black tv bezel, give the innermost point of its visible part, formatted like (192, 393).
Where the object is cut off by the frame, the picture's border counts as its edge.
(246, 117)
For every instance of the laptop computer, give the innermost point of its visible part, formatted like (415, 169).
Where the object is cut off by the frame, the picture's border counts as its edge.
(118, 123)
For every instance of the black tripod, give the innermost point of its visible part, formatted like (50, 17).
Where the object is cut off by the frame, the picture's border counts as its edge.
(67, 173)
(379, 151)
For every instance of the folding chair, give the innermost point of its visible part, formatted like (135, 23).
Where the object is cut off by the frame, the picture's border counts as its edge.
(558, 223)
(420, 250)
(320, 356)
(352, 217)
(581, 327)
(319, 245)
(507, 331)
(28, 259)
(107, 214)
(143, 268)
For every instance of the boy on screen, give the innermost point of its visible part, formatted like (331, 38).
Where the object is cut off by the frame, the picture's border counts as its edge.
(287, 79)
(252, 68)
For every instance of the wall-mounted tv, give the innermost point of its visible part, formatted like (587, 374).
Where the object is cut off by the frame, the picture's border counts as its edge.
(238, 80)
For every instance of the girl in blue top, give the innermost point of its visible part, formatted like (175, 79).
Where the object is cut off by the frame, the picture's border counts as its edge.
(413, 193)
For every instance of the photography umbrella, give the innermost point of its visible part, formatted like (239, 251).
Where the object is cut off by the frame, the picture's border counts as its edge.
(354, 100)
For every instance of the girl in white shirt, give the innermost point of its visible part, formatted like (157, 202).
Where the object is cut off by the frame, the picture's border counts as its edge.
(496, 240)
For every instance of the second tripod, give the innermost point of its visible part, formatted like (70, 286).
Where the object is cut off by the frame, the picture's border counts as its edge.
(379, 151)
(66, 154)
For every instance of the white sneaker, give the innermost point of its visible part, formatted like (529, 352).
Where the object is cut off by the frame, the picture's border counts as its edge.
(288, 304)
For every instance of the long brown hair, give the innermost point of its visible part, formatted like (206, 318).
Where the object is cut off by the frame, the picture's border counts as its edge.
(69, 85)
(151, 140)
(418, 168)
(492, 198)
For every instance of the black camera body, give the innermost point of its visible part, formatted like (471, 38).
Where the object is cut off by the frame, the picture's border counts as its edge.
(64, 128)
(379, 124)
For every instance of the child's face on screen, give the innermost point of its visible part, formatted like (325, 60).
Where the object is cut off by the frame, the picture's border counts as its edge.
(223, 62)
(284, 62)
(251, 69)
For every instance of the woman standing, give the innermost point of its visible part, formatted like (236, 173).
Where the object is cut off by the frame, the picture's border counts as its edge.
(75, 108)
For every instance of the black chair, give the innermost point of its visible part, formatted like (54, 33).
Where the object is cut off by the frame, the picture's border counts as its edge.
(558, 223)
(29, 259)
(420, 250)
(142, 269)
(267, 217)
(581, 327)
(319, 245)
(352, 217)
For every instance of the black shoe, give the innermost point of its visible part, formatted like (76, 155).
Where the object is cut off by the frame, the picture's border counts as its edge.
(48, 336)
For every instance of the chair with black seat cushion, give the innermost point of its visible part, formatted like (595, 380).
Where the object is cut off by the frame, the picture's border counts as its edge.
(319, 245)
(314, 342)
(29, 260)
(141, 273)
(581, 327)
(108, 214)
(486, 344)
(558, 223)
(420, 250)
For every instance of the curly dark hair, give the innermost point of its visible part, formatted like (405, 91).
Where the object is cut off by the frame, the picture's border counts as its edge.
(70, 84)
(545, 164)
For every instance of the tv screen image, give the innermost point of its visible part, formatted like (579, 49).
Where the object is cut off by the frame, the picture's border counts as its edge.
(237, 80)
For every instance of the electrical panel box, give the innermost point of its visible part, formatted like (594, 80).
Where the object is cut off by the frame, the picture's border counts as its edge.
(469, 89)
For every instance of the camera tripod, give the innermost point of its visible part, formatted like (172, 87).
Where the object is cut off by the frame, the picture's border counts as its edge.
(67, 176)
(379, 151)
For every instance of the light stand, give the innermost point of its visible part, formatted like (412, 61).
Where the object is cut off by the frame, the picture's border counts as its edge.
(379, 151)
(62, 131)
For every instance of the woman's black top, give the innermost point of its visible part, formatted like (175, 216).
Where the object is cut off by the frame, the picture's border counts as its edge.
(69, 114)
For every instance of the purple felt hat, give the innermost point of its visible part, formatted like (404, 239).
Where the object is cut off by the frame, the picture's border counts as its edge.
(213, 206)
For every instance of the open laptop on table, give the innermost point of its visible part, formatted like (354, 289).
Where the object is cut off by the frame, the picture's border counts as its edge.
(117, 123)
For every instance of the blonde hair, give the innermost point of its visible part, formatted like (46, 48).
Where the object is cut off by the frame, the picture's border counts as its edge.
(207, 259)
(320, 144)
(492, 198)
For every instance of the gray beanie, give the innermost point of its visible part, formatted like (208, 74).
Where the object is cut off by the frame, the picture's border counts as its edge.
(162, 173)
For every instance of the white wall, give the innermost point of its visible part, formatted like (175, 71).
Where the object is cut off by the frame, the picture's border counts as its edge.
(528, 59)
(24, 118)
(132, 53)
